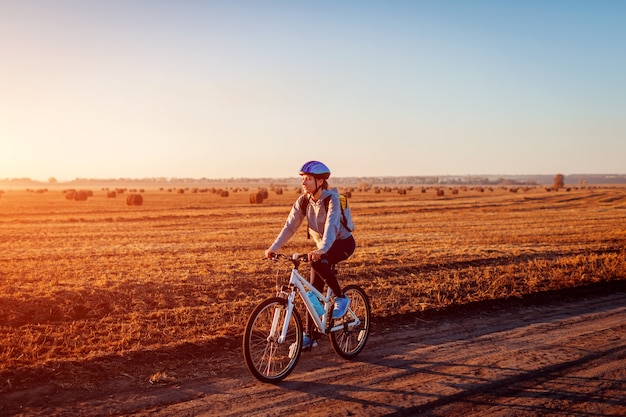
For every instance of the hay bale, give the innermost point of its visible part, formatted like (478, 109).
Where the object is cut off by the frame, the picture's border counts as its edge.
(224, 193)
(440, 192)
(81, 195)
(134, 200)
(111, 194)
(256, 198)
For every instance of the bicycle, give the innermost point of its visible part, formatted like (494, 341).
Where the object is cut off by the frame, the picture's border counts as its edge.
(272, 341)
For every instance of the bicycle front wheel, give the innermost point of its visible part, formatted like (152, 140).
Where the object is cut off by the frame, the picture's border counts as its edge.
(350, 340)
(268, 358)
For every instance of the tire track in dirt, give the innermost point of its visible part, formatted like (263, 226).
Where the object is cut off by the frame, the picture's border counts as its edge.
(485, 397)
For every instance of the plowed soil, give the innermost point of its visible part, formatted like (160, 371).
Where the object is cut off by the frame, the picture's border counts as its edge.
(560, 353)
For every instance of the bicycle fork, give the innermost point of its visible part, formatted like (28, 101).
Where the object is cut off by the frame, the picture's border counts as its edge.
(278, 314)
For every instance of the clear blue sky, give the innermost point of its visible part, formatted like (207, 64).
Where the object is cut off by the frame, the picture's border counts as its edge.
(220, 89)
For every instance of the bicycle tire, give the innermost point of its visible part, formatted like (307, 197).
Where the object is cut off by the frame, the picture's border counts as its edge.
(266, 358)
(350, 341)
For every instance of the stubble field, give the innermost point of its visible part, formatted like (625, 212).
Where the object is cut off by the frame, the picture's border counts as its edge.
(101, 283)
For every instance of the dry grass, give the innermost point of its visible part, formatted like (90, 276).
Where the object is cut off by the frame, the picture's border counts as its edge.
(89, 279)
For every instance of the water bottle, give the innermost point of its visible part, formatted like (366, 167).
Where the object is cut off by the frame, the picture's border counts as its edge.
(317, 305)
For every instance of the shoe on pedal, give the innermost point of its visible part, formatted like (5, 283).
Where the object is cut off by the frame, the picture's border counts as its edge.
(341, 307)
(306, 342)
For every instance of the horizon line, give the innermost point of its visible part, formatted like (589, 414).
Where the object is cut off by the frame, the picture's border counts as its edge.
(54, 180)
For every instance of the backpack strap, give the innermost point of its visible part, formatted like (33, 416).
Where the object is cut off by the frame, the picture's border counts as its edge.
(303, 203)
(303, 207)
(326, 203)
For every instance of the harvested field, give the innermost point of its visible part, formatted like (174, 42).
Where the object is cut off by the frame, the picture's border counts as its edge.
(97, 280)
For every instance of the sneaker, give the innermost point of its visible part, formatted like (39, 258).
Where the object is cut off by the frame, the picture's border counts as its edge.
(306, 342)
(341, 307)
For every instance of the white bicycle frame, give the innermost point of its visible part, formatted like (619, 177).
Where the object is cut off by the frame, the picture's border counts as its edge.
(296, 280)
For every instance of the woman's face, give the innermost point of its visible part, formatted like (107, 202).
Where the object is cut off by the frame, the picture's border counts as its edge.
(309, 184)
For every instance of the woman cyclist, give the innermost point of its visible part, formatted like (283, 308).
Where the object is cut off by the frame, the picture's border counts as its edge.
(334, 241)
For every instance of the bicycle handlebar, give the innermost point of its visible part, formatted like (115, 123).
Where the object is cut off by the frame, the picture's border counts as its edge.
(294, 258)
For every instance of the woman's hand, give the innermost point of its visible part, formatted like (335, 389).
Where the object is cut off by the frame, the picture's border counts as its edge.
(316, 255)
(270, 254)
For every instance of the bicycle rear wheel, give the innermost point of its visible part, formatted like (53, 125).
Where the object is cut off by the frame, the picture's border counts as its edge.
(266, 358)
(350, 340)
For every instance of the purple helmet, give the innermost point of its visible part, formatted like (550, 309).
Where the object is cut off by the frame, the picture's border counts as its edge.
(315, 168)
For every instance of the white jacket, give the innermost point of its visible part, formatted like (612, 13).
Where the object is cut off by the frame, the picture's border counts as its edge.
(324, 226)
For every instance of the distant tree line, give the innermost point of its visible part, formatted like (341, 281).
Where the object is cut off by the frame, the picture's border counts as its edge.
(572, 179)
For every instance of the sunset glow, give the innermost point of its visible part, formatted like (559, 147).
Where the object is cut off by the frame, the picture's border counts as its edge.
(242, 89)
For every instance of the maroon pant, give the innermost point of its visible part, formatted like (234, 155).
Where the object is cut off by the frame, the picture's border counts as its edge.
(322, 272)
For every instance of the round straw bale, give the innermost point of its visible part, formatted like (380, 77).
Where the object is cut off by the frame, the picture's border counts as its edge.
(256, 198)
(134, 200)
(81, 195)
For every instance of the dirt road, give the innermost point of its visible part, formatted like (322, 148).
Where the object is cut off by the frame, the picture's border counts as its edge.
(560, 358)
